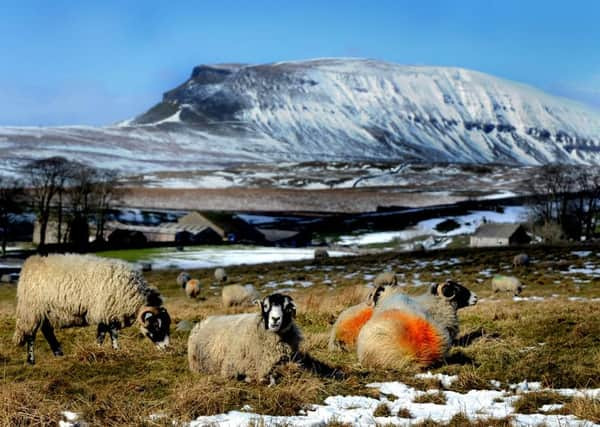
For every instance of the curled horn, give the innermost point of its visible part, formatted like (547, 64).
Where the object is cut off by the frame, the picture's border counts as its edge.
(446, 290)
(145, 312)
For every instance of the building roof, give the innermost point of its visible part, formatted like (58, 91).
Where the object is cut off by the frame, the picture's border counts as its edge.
(497, 230)
(169, 227)
(274, 235)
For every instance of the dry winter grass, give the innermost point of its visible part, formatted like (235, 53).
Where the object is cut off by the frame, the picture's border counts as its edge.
(554, 340)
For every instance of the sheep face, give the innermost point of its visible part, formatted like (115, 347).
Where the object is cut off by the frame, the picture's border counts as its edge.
(154, 324)
(455, 293)
(278, 311)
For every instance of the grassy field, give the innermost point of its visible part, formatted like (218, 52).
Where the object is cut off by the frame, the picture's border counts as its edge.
(554, 340)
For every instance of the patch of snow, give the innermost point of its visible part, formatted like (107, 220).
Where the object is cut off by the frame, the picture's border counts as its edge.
(446, 380)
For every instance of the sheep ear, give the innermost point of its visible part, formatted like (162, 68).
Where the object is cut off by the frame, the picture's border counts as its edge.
(289, 305)
(146, 315)
(374, 297)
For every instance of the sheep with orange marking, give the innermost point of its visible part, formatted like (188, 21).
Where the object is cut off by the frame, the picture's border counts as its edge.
(193, 288)
(405, 330)
(350, 321)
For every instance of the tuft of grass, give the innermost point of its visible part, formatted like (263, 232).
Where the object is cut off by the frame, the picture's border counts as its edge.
(530, 403)
(383, 410)
(585, 408)
(404, 413)
(438, 398)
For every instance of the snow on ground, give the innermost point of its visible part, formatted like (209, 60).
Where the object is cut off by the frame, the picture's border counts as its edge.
(222, 257)
(359, 410)
(468, 224)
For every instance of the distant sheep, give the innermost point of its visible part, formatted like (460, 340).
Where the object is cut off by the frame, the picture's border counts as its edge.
(521, 260)
(239, 295)
(220, 275)
(60, 291)
(321, 254)
(506, 284)
(407, 330)
(387, 278)
(182, 279)
(350, 321)
(193, 288)
(246, 346)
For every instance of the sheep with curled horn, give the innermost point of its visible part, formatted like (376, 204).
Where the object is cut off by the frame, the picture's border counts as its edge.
(61, 291)
(246, 346)
(405, 330)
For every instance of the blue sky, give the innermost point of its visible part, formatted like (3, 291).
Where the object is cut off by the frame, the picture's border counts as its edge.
(97, 62)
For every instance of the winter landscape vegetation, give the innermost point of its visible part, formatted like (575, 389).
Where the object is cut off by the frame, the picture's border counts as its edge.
(277, 192)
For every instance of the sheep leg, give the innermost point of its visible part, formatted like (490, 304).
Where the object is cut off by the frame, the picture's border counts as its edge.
(29, 340)
(101, 333)
(114, 334)
(48, 332)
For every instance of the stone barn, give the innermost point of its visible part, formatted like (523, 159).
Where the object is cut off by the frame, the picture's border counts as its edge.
(498, 234)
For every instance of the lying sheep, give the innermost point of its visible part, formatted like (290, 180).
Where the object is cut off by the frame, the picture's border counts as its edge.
(407, 330)
(350, 321)
(387, 278)
(521, 260)
(246, 346)
(60, 291)
(239, 295)
(193, 288)
(182, 279)
(220, 275)
(502, 283)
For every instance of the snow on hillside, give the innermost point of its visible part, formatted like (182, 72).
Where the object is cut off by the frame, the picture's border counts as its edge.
(326, 110)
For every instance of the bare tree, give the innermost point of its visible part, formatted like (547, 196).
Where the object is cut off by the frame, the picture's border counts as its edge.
(12, 199)
(47, 178)
(107, 191)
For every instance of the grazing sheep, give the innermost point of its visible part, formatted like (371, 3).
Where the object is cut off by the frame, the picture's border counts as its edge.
(350, 321)
(521, 260)
(506, 284)
(239, 295)
(182, 279)
(246, 346)
(193, 288)
(220, 275)
(408, 330)
(60, 291)
(321, 254)
(387, 278)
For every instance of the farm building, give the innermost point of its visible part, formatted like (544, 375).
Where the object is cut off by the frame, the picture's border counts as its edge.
(228, 226)
(166, 232)
(286, 238)
(495, 234)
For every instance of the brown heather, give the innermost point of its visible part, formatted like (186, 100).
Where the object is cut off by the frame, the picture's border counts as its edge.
(554, 341)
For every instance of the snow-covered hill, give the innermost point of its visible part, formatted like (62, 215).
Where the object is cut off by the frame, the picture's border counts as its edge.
(329, 109)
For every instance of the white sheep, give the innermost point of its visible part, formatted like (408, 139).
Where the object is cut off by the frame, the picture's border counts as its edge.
(60, 291)
(193, 288)
(502, 283)
(408, 330)
(321, 254)
(350, 321)
(182, 279)
(246, 346)
(239, 295)
(220, 275)
(521, 260)
(387, 278)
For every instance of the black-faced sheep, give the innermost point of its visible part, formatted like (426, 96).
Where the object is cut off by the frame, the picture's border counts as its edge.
(502, 283)
(239, 295)
(246, 346)
(408, 330)
(60, 291)
(521, 260)
(350, 321)
(220, 275)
